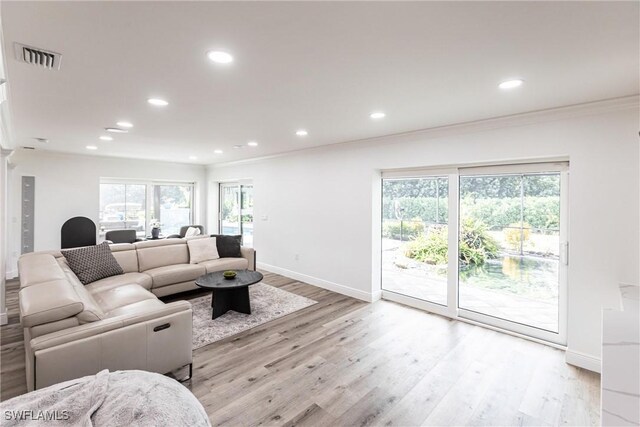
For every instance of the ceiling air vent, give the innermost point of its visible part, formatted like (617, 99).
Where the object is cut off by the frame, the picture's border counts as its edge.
(38, 57)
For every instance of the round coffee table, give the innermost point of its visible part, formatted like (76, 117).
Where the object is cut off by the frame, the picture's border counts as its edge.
(229, 294)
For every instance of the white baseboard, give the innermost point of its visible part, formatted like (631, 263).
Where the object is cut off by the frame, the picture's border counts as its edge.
(583, 360)
(321, 283)
(11, 274)
(3, 318)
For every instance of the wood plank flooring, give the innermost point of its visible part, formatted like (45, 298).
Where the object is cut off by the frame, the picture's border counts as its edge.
(343, 362)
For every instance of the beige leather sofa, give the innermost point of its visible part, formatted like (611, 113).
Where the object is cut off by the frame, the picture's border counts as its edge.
(72, 330)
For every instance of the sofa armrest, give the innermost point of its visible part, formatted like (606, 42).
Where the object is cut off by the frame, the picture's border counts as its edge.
(250, 255)
(95, 328)
(155, 340)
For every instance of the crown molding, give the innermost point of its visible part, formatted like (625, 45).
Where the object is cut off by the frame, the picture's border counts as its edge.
(513, 120)
(72, 155)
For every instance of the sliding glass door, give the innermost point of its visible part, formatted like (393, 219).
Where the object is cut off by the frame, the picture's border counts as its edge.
(236, 211)
(510, 248)
(487, 244)
(414, 237)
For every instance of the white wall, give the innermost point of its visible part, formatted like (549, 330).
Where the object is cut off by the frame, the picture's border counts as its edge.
(68, 185)
(3, 231)
(323, 204)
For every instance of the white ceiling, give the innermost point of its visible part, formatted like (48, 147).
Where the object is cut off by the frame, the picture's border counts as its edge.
(321, 66)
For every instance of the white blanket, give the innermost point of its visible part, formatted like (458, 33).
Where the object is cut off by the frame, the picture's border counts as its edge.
(121, 398)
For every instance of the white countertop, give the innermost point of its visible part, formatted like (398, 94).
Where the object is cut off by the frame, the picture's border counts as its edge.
(621, 360)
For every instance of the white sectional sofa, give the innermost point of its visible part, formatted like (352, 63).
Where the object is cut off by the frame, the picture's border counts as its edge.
(72, 330)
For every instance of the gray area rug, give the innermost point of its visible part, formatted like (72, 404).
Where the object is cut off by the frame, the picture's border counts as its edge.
(267, 303)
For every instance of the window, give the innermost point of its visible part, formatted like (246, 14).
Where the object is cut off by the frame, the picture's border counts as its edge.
(487, 244)
(172, 206)
(123, 206)
(135, 205)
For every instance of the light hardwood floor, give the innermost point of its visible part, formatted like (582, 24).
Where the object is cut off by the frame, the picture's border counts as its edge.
(343, 362)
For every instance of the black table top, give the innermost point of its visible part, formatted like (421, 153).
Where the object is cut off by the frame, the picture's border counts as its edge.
(217, 281)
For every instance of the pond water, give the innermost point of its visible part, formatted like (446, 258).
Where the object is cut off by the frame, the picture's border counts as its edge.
(528, 276)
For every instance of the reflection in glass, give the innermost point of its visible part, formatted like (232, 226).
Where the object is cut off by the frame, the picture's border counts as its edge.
(509, 246)
(122, 206)
(414, 237)
(172, 207)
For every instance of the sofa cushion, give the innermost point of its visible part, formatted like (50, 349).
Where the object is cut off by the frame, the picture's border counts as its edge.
(223, 264)
(91, 311)
(110, 299)
(136, 307)
(91, 263)
(153, 254)
(228, 246)
(171, 274)
(141, 279)
(126, 255)
(202, 250)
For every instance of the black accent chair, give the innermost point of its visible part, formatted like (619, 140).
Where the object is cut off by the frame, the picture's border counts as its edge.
(77, 231)
(183, 231)
(121, 236)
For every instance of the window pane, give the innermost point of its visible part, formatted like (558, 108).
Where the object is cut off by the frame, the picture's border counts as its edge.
(247, 215)
(414, 237)
(229, 209)
(122, 206)
(508, 247)
(112, 212)
(136, 208)
(494, 199)
(172, 207)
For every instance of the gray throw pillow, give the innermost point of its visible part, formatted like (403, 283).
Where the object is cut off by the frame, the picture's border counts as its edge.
(91, 263)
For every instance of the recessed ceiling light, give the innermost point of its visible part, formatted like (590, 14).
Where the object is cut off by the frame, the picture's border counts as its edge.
(302, 132)
(219, 57)
(106, 138)
(510, 84)
(193, 157)
(377, 115)
(125, 125)
(218, 151)
(238, 146)
(157, 102)
(252, 144)
(116, 130)
(91, 147)
(43, 140)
